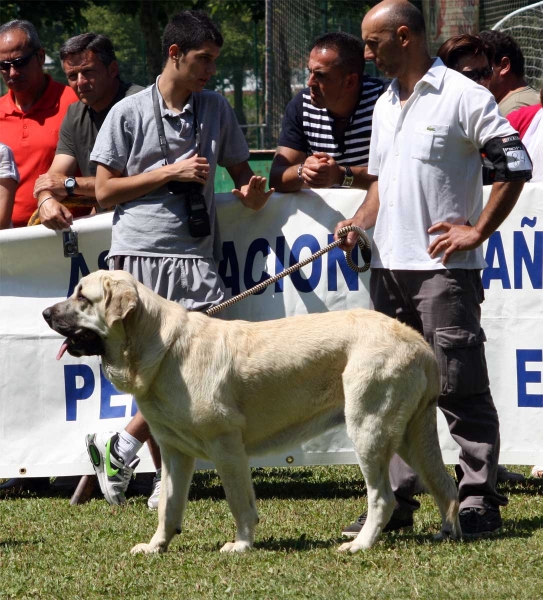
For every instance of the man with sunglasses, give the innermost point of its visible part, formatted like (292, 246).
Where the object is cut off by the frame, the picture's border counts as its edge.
(31, 112)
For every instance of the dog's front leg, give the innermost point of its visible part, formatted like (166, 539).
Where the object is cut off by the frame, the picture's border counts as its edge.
(177, 471)
(232, 463)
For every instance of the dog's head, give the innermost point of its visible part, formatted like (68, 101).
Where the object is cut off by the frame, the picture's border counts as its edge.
(88, 316)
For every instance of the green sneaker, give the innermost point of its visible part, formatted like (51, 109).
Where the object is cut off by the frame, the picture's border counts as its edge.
(113, 475)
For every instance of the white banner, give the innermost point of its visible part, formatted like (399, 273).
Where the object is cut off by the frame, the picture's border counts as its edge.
(47, 407)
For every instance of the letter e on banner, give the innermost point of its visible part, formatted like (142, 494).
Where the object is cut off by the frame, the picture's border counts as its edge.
(107, 411)
(524, 377)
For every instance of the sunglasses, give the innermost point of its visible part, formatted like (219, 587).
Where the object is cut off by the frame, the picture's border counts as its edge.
(17, 63)
(478, 74)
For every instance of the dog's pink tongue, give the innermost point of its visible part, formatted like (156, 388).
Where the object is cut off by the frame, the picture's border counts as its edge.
(62, 350)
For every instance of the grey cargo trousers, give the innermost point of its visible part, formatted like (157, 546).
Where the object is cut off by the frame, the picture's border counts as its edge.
(444, 306)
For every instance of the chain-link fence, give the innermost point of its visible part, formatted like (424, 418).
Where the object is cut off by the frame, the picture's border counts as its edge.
(264, 58)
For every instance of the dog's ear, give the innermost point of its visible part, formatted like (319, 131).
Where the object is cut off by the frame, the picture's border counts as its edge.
(121, 298)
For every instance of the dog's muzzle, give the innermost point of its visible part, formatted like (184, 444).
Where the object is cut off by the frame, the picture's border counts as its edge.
(79, 340)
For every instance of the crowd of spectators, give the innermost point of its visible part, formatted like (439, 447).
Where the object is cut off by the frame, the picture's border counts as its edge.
(101, 143)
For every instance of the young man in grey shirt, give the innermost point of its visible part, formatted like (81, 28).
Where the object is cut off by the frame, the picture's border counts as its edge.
(151, 185)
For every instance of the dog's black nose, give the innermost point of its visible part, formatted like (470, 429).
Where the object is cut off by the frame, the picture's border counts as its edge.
(47, 314)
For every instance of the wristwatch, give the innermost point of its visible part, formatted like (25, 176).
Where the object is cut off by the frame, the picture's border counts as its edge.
(348, 179)
(69, 185)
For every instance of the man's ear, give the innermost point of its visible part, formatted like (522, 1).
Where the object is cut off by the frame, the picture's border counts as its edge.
(403, 34)
(41, 56)
(174, 53)
(121, 298)
(113, 69)
(505, 65)
(351, 81)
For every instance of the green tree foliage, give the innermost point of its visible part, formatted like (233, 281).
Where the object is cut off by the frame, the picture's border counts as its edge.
(45, 13)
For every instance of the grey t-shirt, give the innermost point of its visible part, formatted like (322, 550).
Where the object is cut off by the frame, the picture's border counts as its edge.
(156, 224)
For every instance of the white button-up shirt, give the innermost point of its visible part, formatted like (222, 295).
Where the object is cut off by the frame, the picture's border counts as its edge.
(426, 156)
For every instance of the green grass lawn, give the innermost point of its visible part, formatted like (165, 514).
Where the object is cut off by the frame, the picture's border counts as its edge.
(49, 549)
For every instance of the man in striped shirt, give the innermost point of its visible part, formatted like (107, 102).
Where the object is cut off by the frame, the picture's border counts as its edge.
(326, 131)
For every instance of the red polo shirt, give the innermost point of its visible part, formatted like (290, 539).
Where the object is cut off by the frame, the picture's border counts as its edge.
(33, 138)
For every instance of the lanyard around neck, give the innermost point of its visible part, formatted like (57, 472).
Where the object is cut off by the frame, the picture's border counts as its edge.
(160, 126)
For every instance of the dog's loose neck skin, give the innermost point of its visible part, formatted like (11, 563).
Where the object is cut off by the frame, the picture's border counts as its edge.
(128, 373)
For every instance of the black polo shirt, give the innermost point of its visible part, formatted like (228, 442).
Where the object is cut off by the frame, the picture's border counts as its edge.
(80, 127)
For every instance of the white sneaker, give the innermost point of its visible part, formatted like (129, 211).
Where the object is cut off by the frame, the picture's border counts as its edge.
(152, 502)
(113, 475)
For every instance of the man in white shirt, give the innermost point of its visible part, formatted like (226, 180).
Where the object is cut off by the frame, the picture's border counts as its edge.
(430, 129)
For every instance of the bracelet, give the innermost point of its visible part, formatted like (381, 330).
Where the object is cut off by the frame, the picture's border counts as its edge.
(300, 171)
(44, 200)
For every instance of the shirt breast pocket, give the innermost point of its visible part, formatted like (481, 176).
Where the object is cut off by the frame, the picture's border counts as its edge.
(429, 141)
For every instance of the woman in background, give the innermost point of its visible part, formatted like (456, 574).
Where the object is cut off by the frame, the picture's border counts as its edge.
(9, 180)
(470, 56)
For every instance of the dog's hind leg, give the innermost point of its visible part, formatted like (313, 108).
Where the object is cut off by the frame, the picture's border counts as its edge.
(374, 448)
(177, 471)
(228, 454)
(420, 450)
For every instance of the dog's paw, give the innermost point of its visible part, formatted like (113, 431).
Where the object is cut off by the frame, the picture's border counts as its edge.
(351, 547)
(236, 547)
(145, 549)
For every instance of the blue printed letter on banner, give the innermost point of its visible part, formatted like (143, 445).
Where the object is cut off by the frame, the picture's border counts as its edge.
(495, 250)
(108, 390)
(524, 376)
(300, 283)
(74, 393)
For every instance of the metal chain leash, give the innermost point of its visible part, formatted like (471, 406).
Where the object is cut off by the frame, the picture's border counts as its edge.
(365, 249)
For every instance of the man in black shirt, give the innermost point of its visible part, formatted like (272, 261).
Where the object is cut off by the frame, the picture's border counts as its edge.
(326, 131)
(93, 73)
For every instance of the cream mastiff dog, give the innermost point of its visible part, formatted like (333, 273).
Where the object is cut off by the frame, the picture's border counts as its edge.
(226, 390)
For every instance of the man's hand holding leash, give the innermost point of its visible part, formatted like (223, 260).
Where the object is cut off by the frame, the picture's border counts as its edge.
(365, 218)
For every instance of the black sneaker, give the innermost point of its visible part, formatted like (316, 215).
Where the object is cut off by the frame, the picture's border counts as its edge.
(479, 522)
(395, 524)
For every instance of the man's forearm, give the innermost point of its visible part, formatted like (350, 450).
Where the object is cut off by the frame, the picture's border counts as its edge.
(362, 179)
(285, 179)
(111, 191)
(503, 197)
(366, 216)
(84, 186)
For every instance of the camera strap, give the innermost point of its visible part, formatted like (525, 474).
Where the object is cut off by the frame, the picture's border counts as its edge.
(160, 126)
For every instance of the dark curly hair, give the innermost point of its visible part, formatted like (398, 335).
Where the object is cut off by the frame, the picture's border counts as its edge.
(458, 46)
(505, 46)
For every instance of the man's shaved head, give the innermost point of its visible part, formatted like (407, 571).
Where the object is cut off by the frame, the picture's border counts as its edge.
(395, 13)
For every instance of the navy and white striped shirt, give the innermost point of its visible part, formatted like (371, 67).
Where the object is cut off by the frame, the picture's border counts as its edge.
(309, 129)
